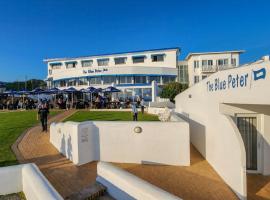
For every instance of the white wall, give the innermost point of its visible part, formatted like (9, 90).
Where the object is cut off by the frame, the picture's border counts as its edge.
(215, 134)
(124, 186)
(28, 179)
(117, 142)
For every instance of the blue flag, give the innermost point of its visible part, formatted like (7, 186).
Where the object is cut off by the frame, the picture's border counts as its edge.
(259, 74)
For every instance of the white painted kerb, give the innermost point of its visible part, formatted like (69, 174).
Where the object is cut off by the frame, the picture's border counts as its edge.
(119, 181)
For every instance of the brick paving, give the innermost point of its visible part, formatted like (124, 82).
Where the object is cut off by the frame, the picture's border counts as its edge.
(198, 181)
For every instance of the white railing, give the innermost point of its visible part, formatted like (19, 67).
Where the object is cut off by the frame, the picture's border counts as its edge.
(215, 68)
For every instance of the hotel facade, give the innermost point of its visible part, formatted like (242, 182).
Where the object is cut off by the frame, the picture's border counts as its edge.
(134, 72)
(131, 72)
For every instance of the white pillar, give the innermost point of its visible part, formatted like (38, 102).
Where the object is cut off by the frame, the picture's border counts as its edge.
(154, 91)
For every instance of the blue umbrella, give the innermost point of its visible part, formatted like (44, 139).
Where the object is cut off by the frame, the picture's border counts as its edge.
(53, 91)
(84, 90)
(111, 89)
(92, 90)
(37, 91)
(70, 90)
(12, 92)
(24, 92)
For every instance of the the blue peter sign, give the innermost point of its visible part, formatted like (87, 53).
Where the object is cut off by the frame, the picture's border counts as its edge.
(234, 81)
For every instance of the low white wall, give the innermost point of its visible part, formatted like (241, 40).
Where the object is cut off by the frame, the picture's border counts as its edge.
(214, 133)
(122, 185)
(28, 179)
(10, 179)
(158, 143)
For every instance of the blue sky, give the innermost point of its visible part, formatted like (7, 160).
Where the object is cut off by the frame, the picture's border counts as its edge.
(36, 29)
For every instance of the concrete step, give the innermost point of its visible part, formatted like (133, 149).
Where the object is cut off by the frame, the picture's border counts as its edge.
(94, 192)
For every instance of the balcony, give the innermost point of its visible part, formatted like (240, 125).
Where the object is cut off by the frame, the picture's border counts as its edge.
(215, 68)
(209, 68)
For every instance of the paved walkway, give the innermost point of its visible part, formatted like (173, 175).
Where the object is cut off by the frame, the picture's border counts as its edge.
(198, 182)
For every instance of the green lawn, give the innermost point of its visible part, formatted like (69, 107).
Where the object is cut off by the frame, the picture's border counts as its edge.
(12, 124)
(109, 116)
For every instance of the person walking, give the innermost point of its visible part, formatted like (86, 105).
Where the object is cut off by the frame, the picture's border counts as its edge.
(43, 112)
(134, 111)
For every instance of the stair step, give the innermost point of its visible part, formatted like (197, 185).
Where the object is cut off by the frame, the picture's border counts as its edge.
(94, 192)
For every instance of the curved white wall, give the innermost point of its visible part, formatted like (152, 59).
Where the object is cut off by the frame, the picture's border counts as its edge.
(28, 179)
(124, 186)
(159, 142)
(213, 133)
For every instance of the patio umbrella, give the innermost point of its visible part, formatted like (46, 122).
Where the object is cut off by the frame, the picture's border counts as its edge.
(37, 91)
(92, 90)
(11, 92)
(23, 93)
(111, 89)
(53, 91)
(71, 90)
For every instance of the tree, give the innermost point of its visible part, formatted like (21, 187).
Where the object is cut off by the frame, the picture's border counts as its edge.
(30, 84)
(170, 90)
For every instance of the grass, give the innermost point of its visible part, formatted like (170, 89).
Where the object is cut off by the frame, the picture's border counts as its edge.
(109, 116)
(12, 125)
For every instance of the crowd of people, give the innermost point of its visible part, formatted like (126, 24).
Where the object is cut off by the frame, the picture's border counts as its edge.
(70, 102)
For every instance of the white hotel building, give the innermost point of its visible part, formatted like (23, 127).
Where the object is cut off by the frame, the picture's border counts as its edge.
(198, 66)
(131, 72)
(134, 72)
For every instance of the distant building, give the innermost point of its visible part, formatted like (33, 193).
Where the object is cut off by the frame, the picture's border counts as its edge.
(198, 66)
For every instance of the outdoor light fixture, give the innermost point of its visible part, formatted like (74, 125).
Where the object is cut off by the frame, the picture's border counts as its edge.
(137, 129)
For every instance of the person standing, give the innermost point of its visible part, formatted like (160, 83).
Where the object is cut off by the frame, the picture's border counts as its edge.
(134, 111)
(43, 112)
(142, 106)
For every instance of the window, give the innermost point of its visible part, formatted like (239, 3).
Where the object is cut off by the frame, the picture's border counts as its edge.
(87, 63)
(63, 83)
(95, 80)
(196, 64)
(138, 59)
(196, 79)
(70, 65)
(50, 72)
(183, 74)
(125, 79)
(233, 61)
(72, 82)
(56, 65)
(168, 79)
(204, 62)
(120, 60)
(222, 62)
(109, 79)
(139, 79)
(154, 78)
(204, 76)
(83, 81)
(103, 62)
(56, 84)
(210, 62)
(158, 58)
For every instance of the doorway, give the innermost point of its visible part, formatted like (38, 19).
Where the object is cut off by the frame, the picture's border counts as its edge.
(247, 126)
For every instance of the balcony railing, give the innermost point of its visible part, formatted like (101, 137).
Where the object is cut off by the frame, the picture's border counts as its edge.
(215, 68)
